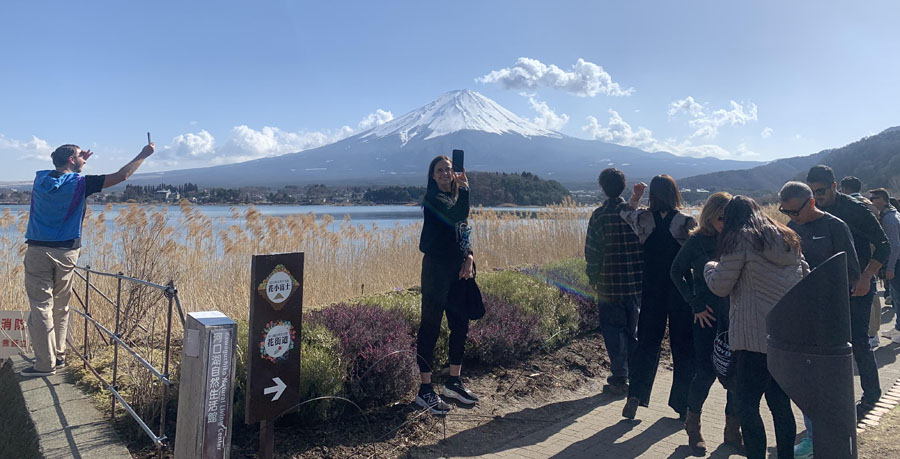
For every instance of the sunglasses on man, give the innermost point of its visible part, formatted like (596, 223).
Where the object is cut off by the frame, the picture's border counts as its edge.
(793, 213)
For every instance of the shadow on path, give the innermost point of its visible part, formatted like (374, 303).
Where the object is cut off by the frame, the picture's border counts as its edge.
(514, 430)
(603, 443)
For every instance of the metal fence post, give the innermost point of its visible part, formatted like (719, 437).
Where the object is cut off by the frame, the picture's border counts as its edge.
(170, 294)
(116, 343)
(87, 311)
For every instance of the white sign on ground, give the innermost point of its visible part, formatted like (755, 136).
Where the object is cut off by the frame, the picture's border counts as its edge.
(13, 335)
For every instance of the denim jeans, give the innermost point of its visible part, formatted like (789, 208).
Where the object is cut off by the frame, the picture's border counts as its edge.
(618, 325)
(753, 380)
(860, 309)
(895, 295)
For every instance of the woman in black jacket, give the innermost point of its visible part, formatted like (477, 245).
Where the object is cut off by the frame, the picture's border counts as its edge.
(710, 319)
(448, 258)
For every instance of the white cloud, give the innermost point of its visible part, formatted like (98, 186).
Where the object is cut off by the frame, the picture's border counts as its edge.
(246, 143)
(194, 145)
(586, 79)
(766, 133)
(36, 148)
(688, 105)
(620, 132)
(745, 151)
(707, 125)
(547, 118)
(375, 119)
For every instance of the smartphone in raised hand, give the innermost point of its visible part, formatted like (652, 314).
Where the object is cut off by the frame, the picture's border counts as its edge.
(457, 161)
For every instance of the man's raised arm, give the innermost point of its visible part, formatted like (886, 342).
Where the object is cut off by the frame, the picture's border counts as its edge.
(130, 168)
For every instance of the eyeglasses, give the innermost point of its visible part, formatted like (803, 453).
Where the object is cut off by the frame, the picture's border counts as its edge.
(872, 198)
(794, 213)
(820, 191)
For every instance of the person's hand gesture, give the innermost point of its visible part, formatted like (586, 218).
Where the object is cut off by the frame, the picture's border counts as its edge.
(148, 150)
(85, 154)
(467, 271)
(461, 179)
(638, 190)
(705, 318)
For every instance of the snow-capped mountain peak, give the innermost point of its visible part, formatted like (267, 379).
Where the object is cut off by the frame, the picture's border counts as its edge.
(456, 111)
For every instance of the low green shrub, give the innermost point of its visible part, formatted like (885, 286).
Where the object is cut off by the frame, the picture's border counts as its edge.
(570, 278)
(557, 315)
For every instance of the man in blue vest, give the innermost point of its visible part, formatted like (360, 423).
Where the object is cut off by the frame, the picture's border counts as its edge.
(58, 203)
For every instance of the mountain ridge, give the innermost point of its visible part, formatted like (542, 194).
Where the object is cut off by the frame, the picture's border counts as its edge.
(398, 152)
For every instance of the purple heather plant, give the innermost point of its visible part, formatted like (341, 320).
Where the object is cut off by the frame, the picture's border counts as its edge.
(378, 346)
(505, 334)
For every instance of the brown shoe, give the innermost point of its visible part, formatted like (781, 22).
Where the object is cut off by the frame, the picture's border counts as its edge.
(692, 427)
(631, 406)
(733, 435)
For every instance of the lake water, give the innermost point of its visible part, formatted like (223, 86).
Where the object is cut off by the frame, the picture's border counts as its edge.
(368, 216)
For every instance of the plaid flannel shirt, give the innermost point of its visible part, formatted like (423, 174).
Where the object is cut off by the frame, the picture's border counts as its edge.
(613, 253)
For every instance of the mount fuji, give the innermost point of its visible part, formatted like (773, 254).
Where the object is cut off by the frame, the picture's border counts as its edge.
(399, 151)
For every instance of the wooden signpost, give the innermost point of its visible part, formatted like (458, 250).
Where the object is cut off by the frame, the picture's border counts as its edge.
(206, 390)
(276, 307)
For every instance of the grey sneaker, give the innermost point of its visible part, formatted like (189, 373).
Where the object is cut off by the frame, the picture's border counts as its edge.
(456, 390)
(434, 403)
(31, 372)
(60, 363)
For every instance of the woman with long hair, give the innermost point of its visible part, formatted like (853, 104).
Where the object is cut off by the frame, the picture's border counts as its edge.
(447, 258)
(661, 229)
(710, 319)
(759, 260)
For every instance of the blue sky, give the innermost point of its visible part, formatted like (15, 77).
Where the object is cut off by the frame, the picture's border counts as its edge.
(226, 81)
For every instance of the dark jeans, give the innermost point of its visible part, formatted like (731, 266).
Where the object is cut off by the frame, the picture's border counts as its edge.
(662, 303)
(618, 324)
(437, 277)
(753, 380)
(860, 310)
(704, 373)
(895, 296)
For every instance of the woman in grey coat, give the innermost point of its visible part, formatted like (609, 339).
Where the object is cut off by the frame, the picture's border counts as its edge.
(759, 260)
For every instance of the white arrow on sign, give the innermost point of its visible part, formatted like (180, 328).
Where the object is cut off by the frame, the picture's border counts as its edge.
(277, 389)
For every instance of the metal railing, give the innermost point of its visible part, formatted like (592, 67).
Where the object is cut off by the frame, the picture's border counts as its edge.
(115, 338)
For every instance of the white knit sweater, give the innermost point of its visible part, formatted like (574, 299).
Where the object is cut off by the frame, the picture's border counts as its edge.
(754, 281)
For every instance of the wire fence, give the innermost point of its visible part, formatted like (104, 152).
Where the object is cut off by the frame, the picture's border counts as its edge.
(115, 338)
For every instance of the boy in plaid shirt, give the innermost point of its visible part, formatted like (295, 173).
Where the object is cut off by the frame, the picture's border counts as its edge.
(614, 266)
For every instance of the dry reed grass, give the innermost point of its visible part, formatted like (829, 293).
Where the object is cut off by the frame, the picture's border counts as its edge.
(212, 268)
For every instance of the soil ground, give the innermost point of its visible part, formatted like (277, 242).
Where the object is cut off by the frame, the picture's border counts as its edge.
(576, 370)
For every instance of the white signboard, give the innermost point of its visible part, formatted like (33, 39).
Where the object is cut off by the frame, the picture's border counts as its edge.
(13, 335)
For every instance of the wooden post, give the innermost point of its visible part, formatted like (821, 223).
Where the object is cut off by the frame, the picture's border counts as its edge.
(266, 439)
(206, 389)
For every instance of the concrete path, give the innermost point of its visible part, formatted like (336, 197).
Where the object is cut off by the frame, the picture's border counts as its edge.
(67, 422)
(593, 427)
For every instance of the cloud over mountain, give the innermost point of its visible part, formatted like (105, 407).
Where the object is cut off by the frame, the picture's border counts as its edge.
(585, 79)
(707, 125)
(245, 143)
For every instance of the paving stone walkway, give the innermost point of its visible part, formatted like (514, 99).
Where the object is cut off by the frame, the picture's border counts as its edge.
(593, 427)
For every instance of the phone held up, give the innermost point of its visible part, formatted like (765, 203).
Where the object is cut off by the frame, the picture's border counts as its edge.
(457, 160)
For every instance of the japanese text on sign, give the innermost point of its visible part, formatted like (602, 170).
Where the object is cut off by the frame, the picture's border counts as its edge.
(218, 390)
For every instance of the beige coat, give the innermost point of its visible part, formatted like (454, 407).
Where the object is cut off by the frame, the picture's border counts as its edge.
(754, 281)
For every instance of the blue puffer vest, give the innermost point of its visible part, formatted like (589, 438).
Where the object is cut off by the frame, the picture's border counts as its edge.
(57, 207)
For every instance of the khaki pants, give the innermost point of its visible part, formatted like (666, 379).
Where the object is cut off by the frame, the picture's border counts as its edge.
(875, 317)
(48, 283)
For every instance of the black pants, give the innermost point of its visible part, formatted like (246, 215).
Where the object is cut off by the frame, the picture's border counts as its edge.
(860, 310)
(753, 380)
(704, 373)
(661, 303)
(437, 277)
